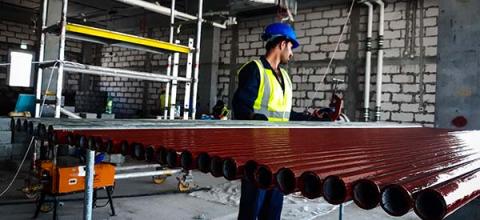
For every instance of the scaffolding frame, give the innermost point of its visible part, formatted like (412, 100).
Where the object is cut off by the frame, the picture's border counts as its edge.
(96, 35)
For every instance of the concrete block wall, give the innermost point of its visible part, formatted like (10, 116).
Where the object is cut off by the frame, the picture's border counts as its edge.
(90, 101)
(408, 95)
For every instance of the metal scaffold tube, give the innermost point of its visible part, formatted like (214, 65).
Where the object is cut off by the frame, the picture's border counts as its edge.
(147, 173)
(186, 104)
(89, 171)
(41, 55)
(105, 71)
(61, 57)
(169, 65)
(197, 59)
(173, 98)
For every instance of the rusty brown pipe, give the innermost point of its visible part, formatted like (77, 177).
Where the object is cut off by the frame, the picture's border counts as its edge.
(187, 161)
(232, 170)
(124, 148)
(397, 199)
(150, 153)
(438, 202)
(173, 158)
(203, 162)
(367, 191)
(216, 166)
(338, 187)
(138, 151)
(161, 155)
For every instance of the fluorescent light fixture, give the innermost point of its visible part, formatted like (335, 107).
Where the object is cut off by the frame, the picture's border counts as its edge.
(20, 71)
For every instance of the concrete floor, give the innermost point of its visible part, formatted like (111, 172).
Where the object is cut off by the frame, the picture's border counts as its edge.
(141, 199)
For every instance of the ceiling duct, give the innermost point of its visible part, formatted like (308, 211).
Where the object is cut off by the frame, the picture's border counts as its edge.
(260, 7)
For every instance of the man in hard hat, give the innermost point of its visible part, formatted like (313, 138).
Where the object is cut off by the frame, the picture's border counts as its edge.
(265, 93)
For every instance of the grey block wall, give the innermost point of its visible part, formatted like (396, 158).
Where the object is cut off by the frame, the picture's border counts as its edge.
(408, 95)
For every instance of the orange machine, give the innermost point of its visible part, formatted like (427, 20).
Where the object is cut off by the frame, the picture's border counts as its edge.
(72, 178)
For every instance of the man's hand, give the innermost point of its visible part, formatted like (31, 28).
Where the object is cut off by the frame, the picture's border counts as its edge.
(317, 114)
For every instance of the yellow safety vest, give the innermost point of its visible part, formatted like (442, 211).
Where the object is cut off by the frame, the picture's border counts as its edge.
(271, 100)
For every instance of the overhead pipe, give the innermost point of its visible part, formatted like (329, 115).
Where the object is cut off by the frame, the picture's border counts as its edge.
(397, 198)
(379, 58)
(440, 201)
(166, 11)
(368, 61)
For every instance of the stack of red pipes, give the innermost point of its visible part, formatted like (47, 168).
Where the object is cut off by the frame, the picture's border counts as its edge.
(433, 171)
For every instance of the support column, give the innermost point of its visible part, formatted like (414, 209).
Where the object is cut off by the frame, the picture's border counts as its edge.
(458, 67)
(207, 82)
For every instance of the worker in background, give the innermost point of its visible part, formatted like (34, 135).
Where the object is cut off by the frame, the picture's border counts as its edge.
(265, 93)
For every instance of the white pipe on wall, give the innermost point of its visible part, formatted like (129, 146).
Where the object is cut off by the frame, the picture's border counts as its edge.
(368, 62)
(379, 59)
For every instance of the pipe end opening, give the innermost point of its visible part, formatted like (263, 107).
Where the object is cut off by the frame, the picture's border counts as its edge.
(334, 190)
(366, 194)
(203, 162)
(286, 181)
(429, 204)
(263, 177)
(396, 200)
(186, 159)
(216, 166)
(230, 169)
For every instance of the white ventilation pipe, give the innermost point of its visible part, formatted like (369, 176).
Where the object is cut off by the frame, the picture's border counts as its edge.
(368, 62)
(166, 11)
(381, 21)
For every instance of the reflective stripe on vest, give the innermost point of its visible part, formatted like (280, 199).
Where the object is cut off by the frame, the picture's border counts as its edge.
(271, 100)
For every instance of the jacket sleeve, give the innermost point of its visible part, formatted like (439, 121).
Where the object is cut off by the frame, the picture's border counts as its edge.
(246, 93)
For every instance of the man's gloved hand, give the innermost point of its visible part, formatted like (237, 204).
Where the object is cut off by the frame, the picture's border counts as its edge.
(317, 114)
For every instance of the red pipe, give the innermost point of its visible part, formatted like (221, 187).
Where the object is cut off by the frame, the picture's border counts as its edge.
(348, 163)
(326, 155)
(440, 201)
(397, 198)
(338, 187)
(367, 191)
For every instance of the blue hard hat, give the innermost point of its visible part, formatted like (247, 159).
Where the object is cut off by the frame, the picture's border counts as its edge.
(275, 30)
